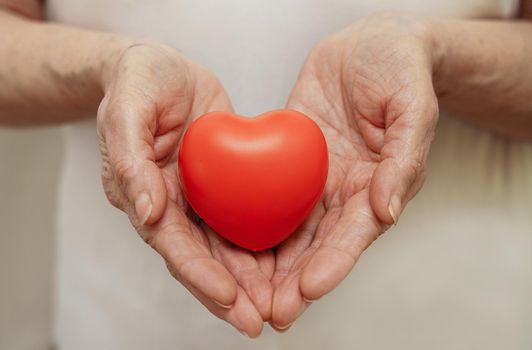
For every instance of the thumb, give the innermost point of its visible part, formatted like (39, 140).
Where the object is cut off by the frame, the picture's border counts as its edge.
(133, 182)
(394, 183)
(401, 171)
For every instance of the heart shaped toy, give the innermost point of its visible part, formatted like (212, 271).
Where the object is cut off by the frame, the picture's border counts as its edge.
(253, 180)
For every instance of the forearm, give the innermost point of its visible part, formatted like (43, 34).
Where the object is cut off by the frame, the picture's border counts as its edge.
(483, 73)
(51, 73)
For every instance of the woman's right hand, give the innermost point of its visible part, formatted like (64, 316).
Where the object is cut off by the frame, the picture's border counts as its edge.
(151, 94)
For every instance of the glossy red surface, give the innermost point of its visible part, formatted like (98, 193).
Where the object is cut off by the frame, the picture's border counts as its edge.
(253, 180)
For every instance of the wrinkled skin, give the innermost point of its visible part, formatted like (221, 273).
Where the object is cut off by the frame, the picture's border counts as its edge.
(370, 90)
(152, 94)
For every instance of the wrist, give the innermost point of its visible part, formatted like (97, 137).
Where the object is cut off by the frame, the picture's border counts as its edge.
(427, 31)
(123, 53)
(110, 57)
(437, 46)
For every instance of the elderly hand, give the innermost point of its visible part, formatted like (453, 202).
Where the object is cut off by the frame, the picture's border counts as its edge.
(151, 94)
(370, 89)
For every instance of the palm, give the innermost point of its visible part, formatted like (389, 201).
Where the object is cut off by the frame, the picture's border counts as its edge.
(141, 121)
(356, 101)
(205, 256)
(251, 271)
(351, 165)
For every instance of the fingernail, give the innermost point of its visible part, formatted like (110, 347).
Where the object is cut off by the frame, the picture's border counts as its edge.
(143, 207)
(223, 305)
(307, 300)
(244, 334)
(282, 328)
(395, 208)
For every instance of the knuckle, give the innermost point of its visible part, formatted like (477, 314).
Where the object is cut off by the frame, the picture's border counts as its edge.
(432, 109)
(414, 168)
(107, 121)
(417, 184)
(123, 171)
(166, 236)
(112, 196)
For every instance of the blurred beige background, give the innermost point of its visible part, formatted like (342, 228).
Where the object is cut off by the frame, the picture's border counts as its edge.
(28, 174)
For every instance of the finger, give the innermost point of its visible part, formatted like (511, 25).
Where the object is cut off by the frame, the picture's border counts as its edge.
(287, 253)
(288, 301)
(401, 171)
(126, 132)
(245, 269)
(188, 259)
(242, 315)
(166, 144)
(356, 228)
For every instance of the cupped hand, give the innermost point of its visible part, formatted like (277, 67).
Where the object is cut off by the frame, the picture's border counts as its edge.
(151, 94)
(370, 90)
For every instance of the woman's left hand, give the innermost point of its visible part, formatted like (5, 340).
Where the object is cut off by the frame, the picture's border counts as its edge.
(370, 90)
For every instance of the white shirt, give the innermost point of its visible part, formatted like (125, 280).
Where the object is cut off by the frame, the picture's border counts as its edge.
(456, 273)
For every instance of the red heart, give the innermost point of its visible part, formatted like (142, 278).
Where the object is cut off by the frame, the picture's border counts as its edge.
(253, 180)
